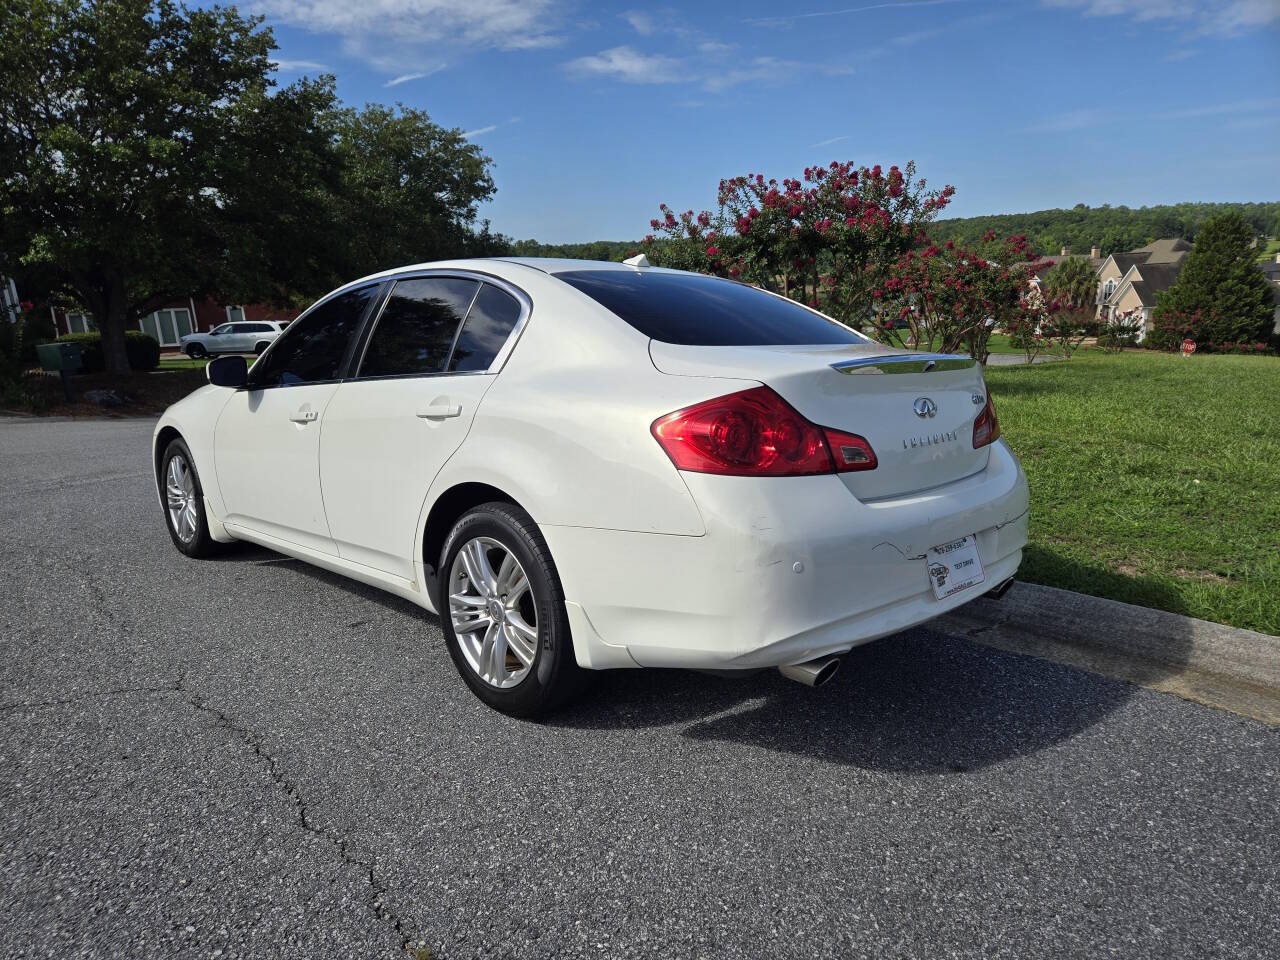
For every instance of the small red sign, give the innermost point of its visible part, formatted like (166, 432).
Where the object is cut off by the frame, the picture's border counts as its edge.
(1188, 347)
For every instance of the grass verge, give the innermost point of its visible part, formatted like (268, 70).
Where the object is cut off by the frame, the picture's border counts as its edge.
(1154, 479)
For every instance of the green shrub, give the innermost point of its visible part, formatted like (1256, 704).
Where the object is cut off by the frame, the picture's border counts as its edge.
(142, 350)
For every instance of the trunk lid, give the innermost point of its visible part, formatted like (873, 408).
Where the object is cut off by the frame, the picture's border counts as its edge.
(915, 409)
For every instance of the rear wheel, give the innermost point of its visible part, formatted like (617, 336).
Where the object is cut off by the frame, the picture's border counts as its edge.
(197, 351)
(260, 347)
(184, 502)
(502, 611)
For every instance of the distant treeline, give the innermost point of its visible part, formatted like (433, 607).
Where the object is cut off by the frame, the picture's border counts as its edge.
(1112, 228)
(1081, 227)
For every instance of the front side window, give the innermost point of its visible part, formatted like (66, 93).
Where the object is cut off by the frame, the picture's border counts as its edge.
(220, 329)
(696, 310)
(417, 327)
(317, 342)
(492, 318)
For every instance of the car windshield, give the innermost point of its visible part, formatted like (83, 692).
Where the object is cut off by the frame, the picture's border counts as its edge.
(696, 310)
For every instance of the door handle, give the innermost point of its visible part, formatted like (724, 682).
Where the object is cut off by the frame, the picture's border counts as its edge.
(304, 416)
(440, 411)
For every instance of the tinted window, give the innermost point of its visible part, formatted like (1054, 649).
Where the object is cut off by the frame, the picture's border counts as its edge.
(417, 327)
(490, 322)
(259, 328)
(696, 310)
(316, 343)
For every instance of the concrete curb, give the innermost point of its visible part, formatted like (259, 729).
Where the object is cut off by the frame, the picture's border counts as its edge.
(1220, 666)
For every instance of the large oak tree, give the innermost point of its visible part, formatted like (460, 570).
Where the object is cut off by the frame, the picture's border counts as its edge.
(146, 154)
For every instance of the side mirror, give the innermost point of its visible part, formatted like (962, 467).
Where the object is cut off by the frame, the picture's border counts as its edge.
(227, 372)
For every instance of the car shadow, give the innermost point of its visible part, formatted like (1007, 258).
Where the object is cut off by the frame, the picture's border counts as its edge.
(922, 702)
(919, 702)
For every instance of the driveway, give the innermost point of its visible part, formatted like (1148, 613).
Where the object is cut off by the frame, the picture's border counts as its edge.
(247, 757)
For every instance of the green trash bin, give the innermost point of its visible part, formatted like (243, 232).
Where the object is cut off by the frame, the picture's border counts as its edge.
(63, 359)
(57, 357)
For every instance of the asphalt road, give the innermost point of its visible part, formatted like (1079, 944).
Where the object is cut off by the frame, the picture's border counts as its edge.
(247, 757)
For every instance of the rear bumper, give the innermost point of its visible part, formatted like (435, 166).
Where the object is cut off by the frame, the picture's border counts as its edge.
(788, 570)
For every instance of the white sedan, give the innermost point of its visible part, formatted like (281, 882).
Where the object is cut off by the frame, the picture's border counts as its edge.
(243, 336)
(582, 466)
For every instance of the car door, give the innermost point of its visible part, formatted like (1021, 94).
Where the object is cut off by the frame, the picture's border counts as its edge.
(219, 339)
(433, 352)
(267, 439)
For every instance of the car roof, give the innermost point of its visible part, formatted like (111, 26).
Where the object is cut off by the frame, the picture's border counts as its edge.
(565, 265)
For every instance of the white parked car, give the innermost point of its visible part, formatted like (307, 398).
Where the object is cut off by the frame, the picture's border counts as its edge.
(583, 466)
(242, 336)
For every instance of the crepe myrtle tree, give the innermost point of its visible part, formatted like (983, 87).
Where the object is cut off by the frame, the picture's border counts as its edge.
(826, 239)
(947, 297)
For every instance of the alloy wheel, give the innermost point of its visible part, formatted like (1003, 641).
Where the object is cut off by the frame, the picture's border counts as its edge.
(180, 496)
(493, 613)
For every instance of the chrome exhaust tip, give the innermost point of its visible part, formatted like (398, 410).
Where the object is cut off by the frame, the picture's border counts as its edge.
(813, 673)
(1000, 589)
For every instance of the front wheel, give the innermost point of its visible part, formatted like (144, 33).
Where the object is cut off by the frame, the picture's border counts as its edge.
(197, 351)
(502, 611)
(184, 502)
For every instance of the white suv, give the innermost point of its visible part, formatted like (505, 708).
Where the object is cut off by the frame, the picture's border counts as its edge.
(240, 337)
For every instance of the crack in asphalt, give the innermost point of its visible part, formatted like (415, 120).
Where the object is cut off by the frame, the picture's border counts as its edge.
(377, 902)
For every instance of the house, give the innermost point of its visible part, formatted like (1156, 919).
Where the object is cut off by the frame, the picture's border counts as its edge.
(1271, 270)
(9, 301)
(1129, 282)
(1045, 264)
(169, 323)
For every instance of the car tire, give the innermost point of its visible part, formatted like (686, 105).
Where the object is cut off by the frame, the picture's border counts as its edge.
(538, 671)
(258, 348)
(197, 351)
(182, 499)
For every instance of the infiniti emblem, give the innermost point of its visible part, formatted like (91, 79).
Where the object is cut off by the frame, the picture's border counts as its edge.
(924, 407)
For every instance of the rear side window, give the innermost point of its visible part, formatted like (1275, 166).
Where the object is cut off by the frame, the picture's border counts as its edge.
(316, 344)
(696, 310)
(417, 327)
(492, 318)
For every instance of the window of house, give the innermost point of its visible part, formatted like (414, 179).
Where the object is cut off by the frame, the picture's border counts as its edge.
(417, 327)
(168, 326)
(235, 314)
(80, 323)
(315, 346)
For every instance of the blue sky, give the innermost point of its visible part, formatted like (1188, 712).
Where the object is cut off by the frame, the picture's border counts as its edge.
(594, 113)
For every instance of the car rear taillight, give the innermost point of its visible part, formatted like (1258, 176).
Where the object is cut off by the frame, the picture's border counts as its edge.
(755, 433)
(986, 428)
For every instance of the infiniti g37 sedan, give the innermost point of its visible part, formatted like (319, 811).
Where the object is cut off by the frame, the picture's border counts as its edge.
(583, 466)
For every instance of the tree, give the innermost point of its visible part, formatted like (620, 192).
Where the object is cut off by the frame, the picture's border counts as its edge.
(137, 138)
(1220, 279)
(408, 191)
(1071, 290)
(827, 240)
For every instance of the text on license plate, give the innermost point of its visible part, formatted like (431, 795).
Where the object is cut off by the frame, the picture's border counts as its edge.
(954, 566)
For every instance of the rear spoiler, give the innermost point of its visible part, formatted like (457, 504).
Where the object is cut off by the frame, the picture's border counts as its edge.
(905, 363)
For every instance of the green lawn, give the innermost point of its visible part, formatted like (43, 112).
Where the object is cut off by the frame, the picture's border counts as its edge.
(178, 362)
(1268, 249)
(1154, 479)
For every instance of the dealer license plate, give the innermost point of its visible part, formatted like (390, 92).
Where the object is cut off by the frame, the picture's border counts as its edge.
(954, 566)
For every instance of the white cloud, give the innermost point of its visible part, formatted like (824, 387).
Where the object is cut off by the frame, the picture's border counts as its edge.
(1204, 16)
(470, 134)
(842, 12)
(770, 70)
(1072, 120)
(392, 34)
(641, 22)
(629, 66)
(406, 77)
(297, 66)
(826, 143)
